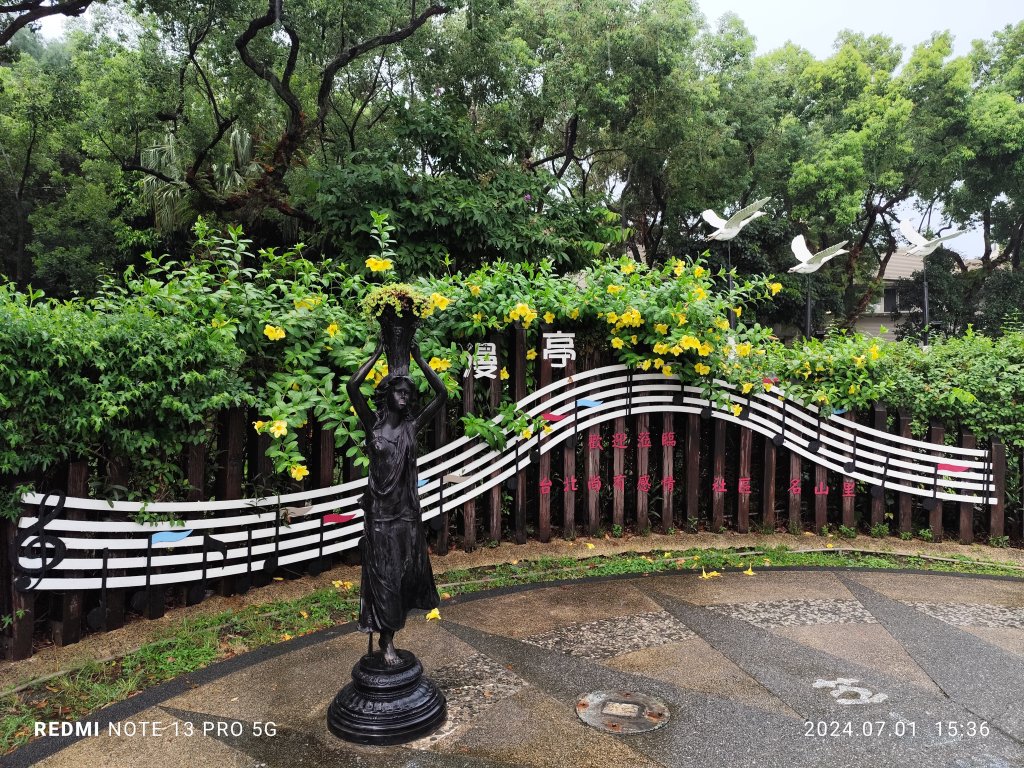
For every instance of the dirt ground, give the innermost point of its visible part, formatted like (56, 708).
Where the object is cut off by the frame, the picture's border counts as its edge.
(136, 632)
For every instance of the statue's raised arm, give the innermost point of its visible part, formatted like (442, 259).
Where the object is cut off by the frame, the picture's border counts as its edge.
(362, 408)
(440, 393)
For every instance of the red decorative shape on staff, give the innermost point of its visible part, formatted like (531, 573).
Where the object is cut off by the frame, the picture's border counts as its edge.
(553, 416)
(951, 468)
(336, 518)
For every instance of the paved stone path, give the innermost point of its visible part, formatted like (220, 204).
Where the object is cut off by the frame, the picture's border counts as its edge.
(809, 668)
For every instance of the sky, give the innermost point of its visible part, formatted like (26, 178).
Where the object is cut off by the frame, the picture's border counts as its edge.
(813, 24)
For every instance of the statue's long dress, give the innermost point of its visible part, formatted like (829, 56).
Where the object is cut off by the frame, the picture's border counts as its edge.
(396, 572)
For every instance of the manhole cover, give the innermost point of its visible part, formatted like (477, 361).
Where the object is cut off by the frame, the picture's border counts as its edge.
(621, 711)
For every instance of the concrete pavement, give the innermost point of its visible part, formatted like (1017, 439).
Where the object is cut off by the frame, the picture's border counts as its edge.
(783, 668)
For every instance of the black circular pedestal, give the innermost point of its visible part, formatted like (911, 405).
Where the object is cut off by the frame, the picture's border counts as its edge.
(386, 705)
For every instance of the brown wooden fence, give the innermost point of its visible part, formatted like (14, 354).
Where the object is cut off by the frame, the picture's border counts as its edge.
(644, 471)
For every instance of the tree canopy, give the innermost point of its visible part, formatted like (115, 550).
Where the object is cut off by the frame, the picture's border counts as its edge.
(485, 129)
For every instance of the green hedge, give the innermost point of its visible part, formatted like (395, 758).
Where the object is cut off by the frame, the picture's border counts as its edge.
(143, 368)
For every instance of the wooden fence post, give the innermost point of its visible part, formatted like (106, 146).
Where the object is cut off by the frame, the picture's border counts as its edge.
(110, 614)
(569, 469)
(936, 435)
(469, 506)
(195, 471)
(667, 470)
(618, 475)
(643, 447)
(231, 447)
(768, 485)
(323, 457)
(231, 451)
(996, 524)
(518, 393)
(796, 481)
(66, 627)
(593, 450)
(693, 470)
(440, 439)
(878, 421)
(905, 503)
(261, 469)
(821, 490)
(849, 512)
(967, 440)
(494, 499)
(718, 473)
(743, 498)
(544, 462)
(20, 605)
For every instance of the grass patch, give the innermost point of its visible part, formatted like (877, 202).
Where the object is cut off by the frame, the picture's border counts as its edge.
(194, 643)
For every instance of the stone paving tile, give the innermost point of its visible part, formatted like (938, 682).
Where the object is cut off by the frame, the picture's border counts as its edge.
(868, 645)
(765, 586)
(924, 588)
(534, 730)
(606, 638)
(796, 613)
(546, 609)
(974, 615)
(1011, 640)
(471, 687)
(694, 665)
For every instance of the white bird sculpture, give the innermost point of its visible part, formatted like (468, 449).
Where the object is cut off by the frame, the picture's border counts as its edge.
(727, 230)
(812, 262)
(920, 245)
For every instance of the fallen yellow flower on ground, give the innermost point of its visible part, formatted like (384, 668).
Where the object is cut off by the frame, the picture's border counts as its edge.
(589, 545)
(434, 615)
(749, 571)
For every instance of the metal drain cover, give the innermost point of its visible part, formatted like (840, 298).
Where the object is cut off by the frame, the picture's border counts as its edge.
(622, 712)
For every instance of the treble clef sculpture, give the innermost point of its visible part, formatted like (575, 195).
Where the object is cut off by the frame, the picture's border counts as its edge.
(49, 550)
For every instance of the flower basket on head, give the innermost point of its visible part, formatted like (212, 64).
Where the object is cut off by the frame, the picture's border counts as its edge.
(397, 307)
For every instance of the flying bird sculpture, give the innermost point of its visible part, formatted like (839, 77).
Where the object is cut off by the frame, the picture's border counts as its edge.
(728, 229)
(920, 245)
(812, 262)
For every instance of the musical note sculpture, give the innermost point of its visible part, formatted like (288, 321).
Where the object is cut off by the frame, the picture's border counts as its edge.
(389, 701)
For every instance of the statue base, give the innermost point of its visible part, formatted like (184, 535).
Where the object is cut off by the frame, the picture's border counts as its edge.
(386, 705)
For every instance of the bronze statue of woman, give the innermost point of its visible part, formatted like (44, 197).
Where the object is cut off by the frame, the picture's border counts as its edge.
(396, 572)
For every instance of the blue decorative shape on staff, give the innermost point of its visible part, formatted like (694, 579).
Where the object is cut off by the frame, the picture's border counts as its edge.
(421, 483)
(170, 537)
(584, 403)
